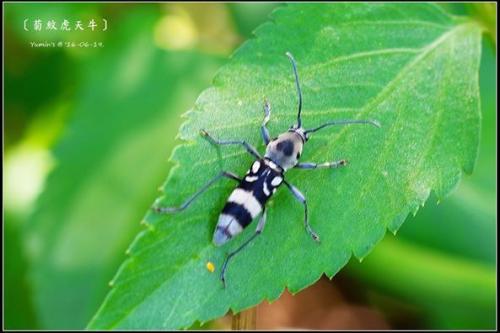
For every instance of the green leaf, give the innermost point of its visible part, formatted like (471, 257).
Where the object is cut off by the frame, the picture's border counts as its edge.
(109, 164)
(410, 66)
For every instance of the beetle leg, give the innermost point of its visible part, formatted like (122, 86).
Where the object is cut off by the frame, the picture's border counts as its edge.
(226, 174)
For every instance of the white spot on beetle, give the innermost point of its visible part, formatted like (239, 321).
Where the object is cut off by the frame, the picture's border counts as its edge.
(276, 181)
(255, 166)
(251, 178)
(272, 165)
(266, 189)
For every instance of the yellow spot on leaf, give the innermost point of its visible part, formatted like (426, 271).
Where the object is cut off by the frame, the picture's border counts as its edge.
(210, 266)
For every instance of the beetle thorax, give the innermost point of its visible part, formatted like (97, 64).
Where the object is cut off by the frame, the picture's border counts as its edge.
(285, 150)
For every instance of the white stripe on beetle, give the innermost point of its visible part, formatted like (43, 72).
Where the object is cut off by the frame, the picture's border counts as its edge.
(247, 200)
(229, 222)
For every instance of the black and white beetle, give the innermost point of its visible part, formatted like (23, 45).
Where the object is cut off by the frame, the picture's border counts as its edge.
(263, 178)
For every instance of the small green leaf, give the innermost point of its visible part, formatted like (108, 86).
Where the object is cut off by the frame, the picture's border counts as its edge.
(412, 67)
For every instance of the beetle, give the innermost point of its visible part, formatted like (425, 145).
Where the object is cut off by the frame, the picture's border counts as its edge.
(265, 175)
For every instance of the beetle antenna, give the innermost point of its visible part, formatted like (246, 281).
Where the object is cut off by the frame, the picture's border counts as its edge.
(292, 60)
(343, 122)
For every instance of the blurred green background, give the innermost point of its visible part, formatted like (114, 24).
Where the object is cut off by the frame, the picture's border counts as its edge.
(88, 132)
